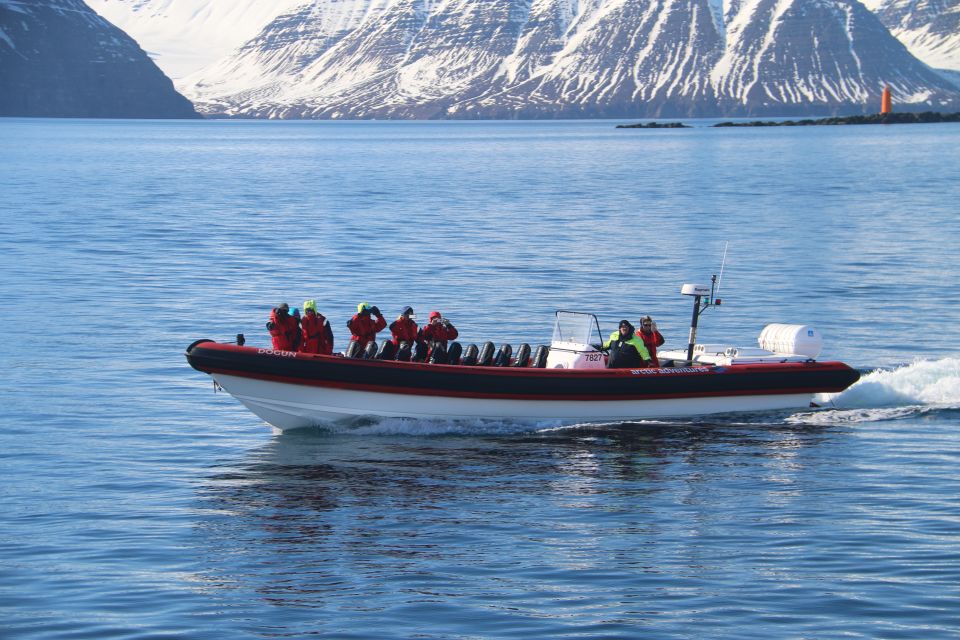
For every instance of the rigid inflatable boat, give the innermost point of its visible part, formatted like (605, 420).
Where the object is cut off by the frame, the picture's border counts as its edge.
(567, 384)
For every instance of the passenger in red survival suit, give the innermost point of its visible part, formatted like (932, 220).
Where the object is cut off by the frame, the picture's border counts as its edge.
(404, 328)
(363, 327)
(651, 339)
(284, 328)
(439, 329)
(316, 334)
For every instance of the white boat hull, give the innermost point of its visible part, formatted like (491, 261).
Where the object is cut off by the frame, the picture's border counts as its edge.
(290, 406)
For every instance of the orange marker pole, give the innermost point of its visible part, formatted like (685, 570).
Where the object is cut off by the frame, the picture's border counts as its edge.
(886, 104)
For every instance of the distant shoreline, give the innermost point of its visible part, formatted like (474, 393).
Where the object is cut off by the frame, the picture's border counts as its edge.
(886, 118)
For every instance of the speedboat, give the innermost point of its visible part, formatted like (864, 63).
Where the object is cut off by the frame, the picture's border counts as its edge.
(565, 383)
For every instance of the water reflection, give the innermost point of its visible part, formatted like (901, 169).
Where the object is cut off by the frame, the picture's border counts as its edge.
(319, 521)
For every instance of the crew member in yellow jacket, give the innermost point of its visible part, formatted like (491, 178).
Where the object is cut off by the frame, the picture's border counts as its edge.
(627, 350)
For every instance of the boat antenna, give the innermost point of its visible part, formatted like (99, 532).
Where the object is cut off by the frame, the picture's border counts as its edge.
(723, 262)
(703, 298)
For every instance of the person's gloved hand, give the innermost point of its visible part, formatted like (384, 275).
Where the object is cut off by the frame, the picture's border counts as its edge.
(270, 326)
(375, 311)
(598, 347)
(446, 323)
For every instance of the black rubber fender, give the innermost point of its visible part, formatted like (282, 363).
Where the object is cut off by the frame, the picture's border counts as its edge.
(523, 356)
(540, 357)
(386, 350)
(502, 358)
(420, 353)
(470, 356)
(353, 350)
(454, 353)
(438, 355)
(486, 354)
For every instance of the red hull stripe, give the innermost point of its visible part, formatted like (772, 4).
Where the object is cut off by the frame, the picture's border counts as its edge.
(520, 384)
(501, 396)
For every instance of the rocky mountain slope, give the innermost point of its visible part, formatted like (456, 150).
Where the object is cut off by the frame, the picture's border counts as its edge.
(929, 28)
(543, 58)
(60, 59)
(568, 58)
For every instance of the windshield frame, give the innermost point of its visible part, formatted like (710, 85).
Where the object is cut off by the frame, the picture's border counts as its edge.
(575, 327)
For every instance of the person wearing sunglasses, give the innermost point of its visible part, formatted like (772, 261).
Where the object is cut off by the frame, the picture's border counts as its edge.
(651, 339)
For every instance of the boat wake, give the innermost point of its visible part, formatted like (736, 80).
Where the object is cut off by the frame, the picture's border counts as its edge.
(368, 426)
(920, 388)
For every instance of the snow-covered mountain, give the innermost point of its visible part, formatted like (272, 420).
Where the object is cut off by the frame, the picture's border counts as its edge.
(834, 55)
(929, 28)
(533, 58)
(567, 58)
(60, 59)
(183, 36)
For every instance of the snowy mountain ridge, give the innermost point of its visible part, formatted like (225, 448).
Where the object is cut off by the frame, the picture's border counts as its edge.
(549, 58)
(183, 36)
(929, 28)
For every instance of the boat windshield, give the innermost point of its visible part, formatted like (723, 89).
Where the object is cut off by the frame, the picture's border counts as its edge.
(580, 328)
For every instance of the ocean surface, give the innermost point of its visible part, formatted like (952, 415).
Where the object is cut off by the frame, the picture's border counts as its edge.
(137, 503)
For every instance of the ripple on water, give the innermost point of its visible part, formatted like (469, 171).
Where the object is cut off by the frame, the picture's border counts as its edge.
(138, 504)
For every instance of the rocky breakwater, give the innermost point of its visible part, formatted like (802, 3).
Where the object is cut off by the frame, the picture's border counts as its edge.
(879, 118)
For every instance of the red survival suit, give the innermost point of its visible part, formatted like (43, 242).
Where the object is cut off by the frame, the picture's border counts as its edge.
(652, 340)
(284, 330)
(317, 334)
(365, 328)
(436, 332)
(404, 330)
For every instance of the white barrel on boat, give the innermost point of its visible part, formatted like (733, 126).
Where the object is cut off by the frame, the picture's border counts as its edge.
(799, 339)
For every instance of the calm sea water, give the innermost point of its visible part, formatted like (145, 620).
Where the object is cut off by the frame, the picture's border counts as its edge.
(136, 503)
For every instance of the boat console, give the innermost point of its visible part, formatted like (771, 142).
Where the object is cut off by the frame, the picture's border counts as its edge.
(574, 333)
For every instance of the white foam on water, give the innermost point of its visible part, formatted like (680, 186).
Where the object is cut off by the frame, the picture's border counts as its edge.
(924, 382)
(432, 427)
(891, 394)
(855, 416)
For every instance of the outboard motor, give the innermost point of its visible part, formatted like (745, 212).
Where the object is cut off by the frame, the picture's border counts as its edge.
(502, 359)
(403, 352)
(486, 354)
(386, 351)
(540, 357)
(454, 352)
(470, 356)
(523, 356)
